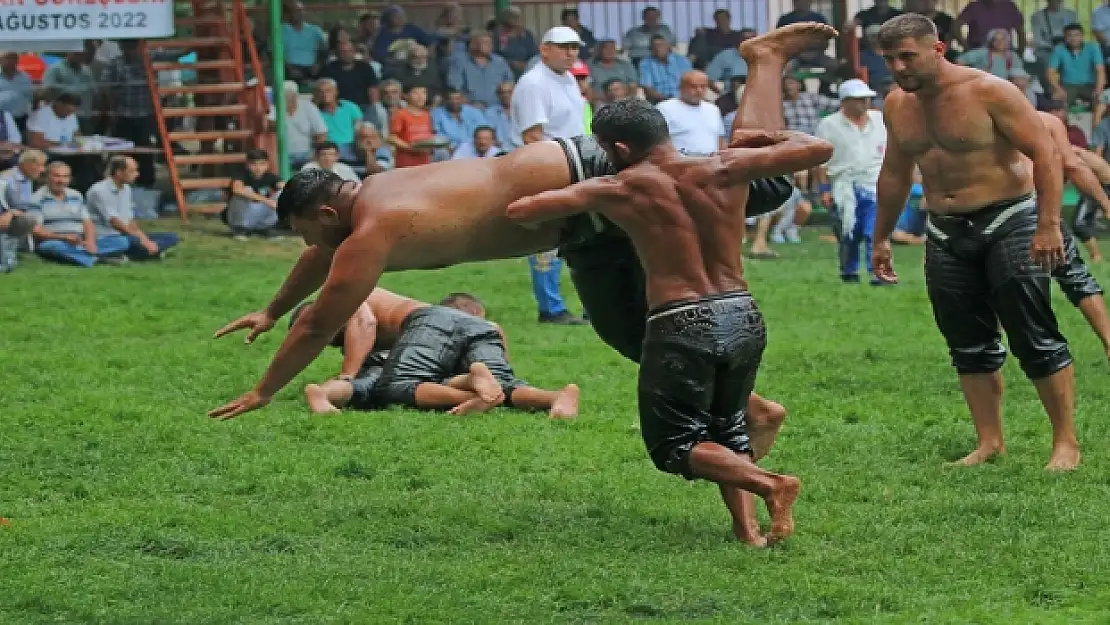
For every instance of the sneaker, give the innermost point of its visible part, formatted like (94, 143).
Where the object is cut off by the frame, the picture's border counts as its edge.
(564, 319)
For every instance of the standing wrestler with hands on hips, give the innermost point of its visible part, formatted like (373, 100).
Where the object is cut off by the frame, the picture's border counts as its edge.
(994, 226)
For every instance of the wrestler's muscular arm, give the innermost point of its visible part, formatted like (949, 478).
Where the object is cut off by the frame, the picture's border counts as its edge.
(577, 198)
(359, 339)
(895, 180)
(303, 280)
(355, 270)
(772, 154)
(1017, 121)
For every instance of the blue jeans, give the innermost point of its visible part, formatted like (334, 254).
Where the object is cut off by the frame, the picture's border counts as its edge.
(164, 241)
(861, 234)
(111, 245)
(246, 216)
(546, 270)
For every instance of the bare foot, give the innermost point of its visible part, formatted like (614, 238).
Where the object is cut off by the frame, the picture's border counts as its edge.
(485, 385)
(979, 456)
(565, 405)
(318, 400)
(475, 405)
(1065, 457)
(780, 503)
(787, 42)
(748, 535)
(765, 417)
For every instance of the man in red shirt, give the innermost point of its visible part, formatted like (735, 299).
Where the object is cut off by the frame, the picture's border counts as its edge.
(410, 129)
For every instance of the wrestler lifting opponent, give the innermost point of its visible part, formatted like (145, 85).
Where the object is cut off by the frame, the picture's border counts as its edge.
(446, 357)
(453, 212)
(705, 335)
(990, 245)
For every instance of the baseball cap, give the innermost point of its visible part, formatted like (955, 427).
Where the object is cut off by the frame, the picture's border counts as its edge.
(855, 88)
(580, 70)
(561, 35)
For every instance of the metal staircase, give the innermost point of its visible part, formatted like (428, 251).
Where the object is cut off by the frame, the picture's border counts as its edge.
(229, 111)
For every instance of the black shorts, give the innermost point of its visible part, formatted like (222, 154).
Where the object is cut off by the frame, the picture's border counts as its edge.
(979, 272)
(363, 396)
(698, 369)
(603, 263)
(1074, 277)
(437, 343)
(1084, 221)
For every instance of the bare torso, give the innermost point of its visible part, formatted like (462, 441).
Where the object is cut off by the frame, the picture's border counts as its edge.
(687, 226)
(390, 311)
(965, 162)
(453, 212)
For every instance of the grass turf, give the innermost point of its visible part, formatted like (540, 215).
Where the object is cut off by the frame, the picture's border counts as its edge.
(128, 505)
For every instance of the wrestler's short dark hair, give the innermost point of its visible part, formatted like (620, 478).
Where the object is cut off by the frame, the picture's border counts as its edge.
(306, 191)
(905, 26)
(633, 122)
(454, 299)
(336, 341)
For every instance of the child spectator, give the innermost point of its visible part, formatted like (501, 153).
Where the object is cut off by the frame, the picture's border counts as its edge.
(410, 126)
(327, 157)
(253, 205)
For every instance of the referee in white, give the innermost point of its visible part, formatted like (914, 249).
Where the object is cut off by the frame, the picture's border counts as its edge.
(547, 104)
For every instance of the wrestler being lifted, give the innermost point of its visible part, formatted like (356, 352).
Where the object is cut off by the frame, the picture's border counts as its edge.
(398, 351)
(454, 212)
(994, 226)
(705, 335)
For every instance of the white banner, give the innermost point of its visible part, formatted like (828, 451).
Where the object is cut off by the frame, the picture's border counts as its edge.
(38, 20)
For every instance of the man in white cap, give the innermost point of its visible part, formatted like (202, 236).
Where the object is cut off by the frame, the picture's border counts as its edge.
(547, 104)
(848, 180)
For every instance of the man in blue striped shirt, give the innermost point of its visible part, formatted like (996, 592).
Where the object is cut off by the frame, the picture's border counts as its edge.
(69, 234)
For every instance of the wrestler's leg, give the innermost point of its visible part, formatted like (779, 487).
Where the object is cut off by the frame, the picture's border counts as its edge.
(1093, 308)
(562, 404)
(434, 396)
(719, 464)
(741, 505)
(765, 417)
(480, 381)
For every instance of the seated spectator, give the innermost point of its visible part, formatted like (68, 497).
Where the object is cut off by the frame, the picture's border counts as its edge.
(660, 72)
(113, 212)
(15, 226)
(355, 80)
(483, 145)
(410, 126)
(724, 66)
(803, 110)
(327, 157)
(456, 119)
(730, 100)
(1076, 71)
(695, 125)
(253, 205)
(54, 124)
(879, 78)
(608, 66)
(637, 42)
(373, 155)
(396, 34)
(19, 181)
(880, 12)
(983, 16)
(497, 116)
(1023, 81)
(369, 25)
(513, 41)
(74, 77)
(418, 69)
(452, 31)
(305, 45)
(615, 90)
(708, 42)
(1100, 137)
(304, 126)
(340, 116)
(68, 233)
(569, 18)
(1059, 108)
(480, 72)
(998, 57)
(581, 73)
(11, 140)
(803, 12)
(945, 23)
(17, 89)
(1048, 26)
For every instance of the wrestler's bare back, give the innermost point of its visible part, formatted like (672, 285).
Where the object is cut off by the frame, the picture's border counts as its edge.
(390, 311)
(454, 212)
(965, 162)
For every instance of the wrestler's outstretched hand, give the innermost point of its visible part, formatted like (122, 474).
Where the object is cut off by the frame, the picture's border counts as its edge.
(258, 322)
(247, 402)
(882, 260)
(1048, 247)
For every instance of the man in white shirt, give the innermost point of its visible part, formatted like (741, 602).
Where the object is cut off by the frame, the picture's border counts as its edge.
(695, 124)
(858, 136)
(55, 123)
(113, 211)
(304, 125)
(547, 104)
(327, 157)
(483, 145)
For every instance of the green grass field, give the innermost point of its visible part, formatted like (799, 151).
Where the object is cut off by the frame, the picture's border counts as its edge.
(128, 505)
